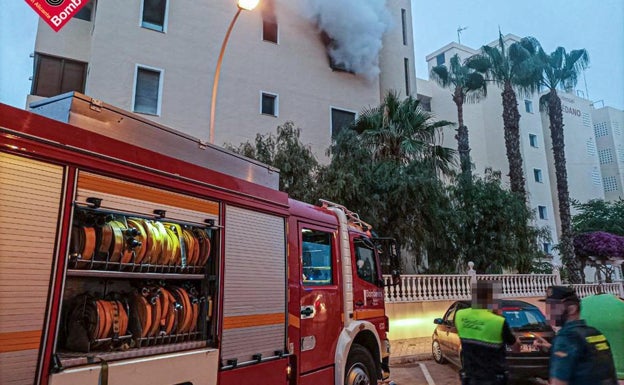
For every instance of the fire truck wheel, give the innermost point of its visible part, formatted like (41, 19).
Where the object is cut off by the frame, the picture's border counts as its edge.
(360, 367)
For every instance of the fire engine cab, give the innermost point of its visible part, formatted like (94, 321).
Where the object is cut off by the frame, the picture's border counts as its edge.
(131, 253)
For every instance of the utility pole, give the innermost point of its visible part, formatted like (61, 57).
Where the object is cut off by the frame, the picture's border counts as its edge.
(459, 30)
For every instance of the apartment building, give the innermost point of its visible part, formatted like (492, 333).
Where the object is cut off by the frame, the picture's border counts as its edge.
(608, 125)
(286, 60)
(593, 162)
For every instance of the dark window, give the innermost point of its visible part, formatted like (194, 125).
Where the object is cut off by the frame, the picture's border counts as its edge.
(404, 25)
(546, 247)
(331, 44)
(440, 59)
(269, 104)
(54, 75)
(543, 214)
(406, 68)
(528, 106)
(340, 120)
(533, 140)
(269, 30)
(537, 174)
(147, 91)
(316, 257)
(154, 12)
(365, 261)
(425, 102)
(85, 12)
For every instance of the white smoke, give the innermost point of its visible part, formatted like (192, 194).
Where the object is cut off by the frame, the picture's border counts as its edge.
(356, 28)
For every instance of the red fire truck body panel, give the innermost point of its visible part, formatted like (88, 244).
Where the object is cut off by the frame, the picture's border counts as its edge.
(303, 335)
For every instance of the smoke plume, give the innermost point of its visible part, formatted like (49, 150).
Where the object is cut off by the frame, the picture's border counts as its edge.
(355, 27)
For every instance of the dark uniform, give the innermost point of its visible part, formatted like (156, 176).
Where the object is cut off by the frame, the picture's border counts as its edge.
(483, 337)
(581, 355)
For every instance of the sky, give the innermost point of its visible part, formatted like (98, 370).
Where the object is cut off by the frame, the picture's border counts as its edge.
(596, 25)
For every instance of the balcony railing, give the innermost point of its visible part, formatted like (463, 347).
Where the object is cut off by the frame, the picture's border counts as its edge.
(417, 288)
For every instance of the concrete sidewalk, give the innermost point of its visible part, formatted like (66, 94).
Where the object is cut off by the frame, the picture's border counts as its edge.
(410, 350)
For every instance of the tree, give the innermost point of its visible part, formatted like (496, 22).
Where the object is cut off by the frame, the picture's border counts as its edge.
(515, 70)
(386, 168)
(297, 164)
(468, 85)
(602, 248)
(561, 70)
(495, 231)
(400, 131)
(599, 215)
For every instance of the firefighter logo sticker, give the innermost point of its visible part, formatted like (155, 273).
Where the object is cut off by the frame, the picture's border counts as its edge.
(56, 12)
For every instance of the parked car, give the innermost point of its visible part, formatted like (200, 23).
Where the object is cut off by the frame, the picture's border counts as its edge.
(526, 321)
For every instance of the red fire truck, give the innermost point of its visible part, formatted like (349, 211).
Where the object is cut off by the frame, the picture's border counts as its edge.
(131, 253)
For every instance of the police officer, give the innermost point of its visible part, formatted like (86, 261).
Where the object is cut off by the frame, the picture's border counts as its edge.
(580, 354)
(483, 336)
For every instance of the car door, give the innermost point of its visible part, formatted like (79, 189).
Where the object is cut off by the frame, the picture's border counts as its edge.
(320, 299)
(453, 337)
(368, 292)
(443, 330)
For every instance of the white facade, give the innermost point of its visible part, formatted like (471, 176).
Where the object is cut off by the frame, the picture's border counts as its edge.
(582, 165)
(485, 127)
(608, 126)
(294, 71)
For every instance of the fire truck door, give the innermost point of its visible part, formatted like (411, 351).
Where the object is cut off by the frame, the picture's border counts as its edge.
(320, 296)
(368, 293)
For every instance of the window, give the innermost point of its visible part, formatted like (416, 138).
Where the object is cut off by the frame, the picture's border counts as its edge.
(537, 174)
(600, 129)
(590, 146)
(85, 12)
(533, 140)
(528, 106)
(268, 104)
(440, 59)
(147, 91)
(55, 75)
(316, 257)
(596, 177)
(154, 15)
(365, 260)
(605, 156)
(269, 30)
(543, 214)
(404, 25)
(609, 183)
(340, 119)
(546, 247)
(425, 102)
(406, 67)
(586, 120)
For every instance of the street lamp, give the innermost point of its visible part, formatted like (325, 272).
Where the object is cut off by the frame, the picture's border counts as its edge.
(247, 5)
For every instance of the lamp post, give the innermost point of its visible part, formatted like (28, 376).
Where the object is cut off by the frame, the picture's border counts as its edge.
(247, 5)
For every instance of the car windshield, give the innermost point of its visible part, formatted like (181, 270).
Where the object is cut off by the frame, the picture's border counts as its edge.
(525, 319)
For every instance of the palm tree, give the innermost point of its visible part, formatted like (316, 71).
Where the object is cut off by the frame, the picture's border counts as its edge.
(515, 70)
(402, 132)
(561, 70)
(468, 85)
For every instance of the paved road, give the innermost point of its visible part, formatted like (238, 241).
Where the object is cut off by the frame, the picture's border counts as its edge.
(424, 373)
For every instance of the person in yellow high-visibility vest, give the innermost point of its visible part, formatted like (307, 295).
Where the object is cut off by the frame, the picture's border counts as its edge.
(483, 336)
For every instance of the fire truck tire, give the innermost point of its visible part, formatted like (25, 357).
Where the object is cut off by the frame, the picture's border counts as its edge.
(360, 369)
